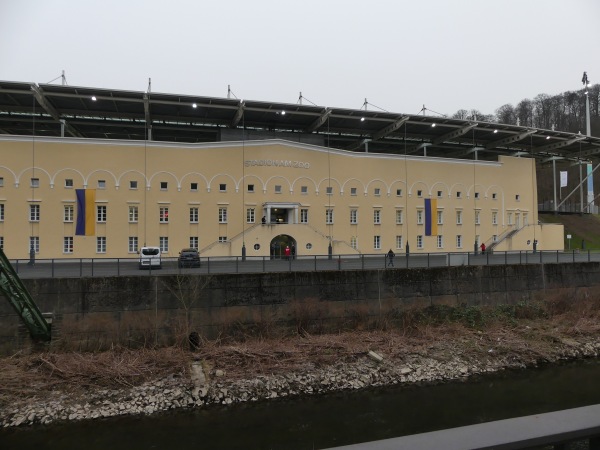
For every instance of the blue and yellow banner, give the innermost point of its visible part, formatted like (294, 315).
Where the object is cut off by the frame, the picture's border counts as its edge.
(86, 203)
(431, 228)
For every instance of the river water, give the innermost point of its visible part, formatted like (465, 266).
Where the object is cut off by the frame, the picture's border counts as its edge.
(329, 420)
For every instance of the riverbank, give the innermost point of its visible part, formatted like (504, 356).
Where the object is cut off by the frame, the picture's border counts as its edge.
(48, 387)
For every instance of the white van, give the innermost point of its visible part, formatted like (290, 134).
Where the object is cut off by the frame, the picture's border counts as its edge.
(150, 258)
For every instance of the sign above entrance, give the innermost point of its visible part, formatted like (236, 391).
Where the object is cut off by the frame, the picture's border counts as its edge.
(277, 163)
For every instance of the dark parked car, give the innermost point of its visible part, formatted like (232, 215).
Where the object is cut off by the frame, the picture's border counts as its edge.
(188, 257)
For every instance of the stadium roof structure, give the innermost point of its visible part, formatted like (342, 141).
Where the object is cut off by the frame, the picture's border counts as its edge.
(60, 110)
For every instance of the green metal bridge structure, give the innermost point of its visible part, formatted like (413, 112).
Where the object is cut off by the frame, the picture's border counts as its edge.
(18, 296)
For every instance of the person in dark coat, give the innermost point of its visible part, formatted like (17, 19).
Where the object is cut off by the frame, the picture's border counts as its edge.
(390, 256)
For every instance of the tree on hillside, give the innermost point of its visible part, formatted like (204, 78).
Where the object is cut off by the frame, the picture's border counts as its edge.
(506, 114)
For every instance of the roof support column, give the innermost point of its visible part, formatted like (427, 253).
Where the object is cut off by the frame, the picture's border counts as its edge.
(554, 184)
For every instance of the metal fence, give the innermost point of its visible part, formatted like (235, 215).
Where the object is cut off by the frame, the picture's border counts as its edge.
(102, 267)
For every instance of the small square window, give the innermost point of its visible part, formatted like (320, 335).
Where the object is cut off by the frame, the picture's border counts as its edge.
(329, 190)
(304, 189)
(398, 192)
(419, 193)
(101, 184)
(250, 188)
(458, 194)
(163, 185)
(377, 191)
(1, 181)
(35, 182)
(133, 184)
(69, 182)
(439, 194)
(517, 197)
(352, 191)
(494, 196)
(476, 194)
(193, 186)
(222, 187)
(278, 189)
(222, 238)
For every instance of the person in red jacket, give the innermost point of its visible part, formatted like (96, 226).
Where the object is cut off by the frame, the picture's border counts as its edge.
(483, 247)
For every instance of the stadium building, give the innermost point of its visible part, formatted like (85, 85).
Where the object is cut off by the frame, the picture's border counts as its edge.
(90, 173)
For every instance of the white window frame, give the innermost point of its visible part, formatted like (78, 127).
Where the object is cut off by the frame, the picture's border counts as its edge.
(303, 215)
(34, 241)
(419, 217)
(459, 241)
(101, 244)
(353, 216)
(132, 244)
(101, 213)
(222, 215)
(399, 216)
(163, 243)
(163, 214)
(68, 244)
(440, 241)
(377, 242)
(194, 242)
(68, 213)
(194, 214)
(420, 241)
(399, 242)
(377, 216)
(133, 213)
(440, 217)
(250, 215)
(34, 212)
(329, 216)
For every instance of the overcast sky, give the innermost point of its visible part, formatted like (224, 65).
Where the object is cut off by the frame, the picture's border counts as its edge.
(399, 55)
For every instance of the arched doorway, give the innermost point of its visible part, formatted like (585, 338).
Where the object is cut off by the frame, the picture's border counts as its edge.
(278, 245)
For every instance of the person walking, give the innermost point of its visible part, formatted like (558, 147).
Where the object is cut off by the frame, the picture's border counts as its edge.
(390, 256)
(483, 247)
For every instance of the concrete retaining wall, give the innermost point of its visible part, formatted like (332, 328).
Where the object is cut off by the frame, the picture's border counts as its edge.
(93, 313)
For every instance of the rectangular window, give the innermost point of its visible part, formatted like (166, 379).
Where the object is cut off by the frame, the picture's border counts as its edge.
(68, 213)
(304, 216)
(101, 244)
(459, 241)
(517, 197)
(34, 242)
(278, 189)
(525, 219)
(458, 194)
(459, 220)
(34, 213)
(133, 214)
(440, 217)
(495, 238)
(100, 213)
(510, 218)
(222, 239)
(164, 185)
(101, 184)
(193, 187)
(440, 241)
(194, 242)
(419, 241)
(419, 217)
(377, 216)
(194, 214)
(1, 181)
(399, 217)
(329, 216)
(494, 217)
(377, 192)
(398, 242)
(477, 217)
(35, 182)
(1, 242)
(250, 188)
(377, 242)
(353, 191)
(476, 194)
(222, 187)
(163, 243)
(353, 242)
(494, 196)
(68, 183)
(353, 216)
(133, 184)
(133, 244)
(398, 192)
(163, 214)
(222, 215)
(1, 212)
(250, 216)
(439, 194)
(329, 190)
(304, 189)
(68, 244)
(419, 193)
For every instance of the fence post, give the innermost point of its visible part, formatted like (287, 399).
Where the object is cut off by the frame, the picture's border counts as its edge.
(208, 265)
(52, 267)
(263, 261)
(118, 267)
(339, 262)
(362, 260)
(92, 266)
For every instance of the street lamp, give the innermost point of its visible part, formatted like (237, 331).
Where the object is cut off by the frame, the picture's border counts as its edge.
(588, 132)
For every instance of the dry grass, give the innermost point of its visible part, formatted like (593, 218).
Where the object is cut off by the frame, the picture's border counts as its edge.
(531, 332)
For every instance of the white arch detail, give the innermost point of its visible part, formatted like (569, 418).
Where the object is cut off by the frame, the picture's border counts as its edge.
(161, 172)
(11, 172)
(387, 188)
(304, 178)
(224, 175)
(131, 171)
(327, 180)
(417, 183)
(353, 179)
(87, 179)
(393, 183)
(274, 177)
(189, 174)
(18, 180)
(441, 183)
(52, 181)
(259, 179)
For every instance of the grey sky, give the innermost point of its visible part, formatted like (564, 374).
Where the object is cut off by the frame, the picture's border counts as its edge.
(400, 55)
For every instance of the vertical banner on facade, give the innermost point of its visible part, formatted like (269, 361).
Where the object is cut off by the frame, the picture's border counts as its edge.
(590, 185)
(563, 179)
(86, 201)
(431, 217)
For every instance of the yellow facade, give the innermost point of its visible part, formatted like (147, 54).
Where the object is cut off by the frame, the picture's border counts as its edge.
(214, 196)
